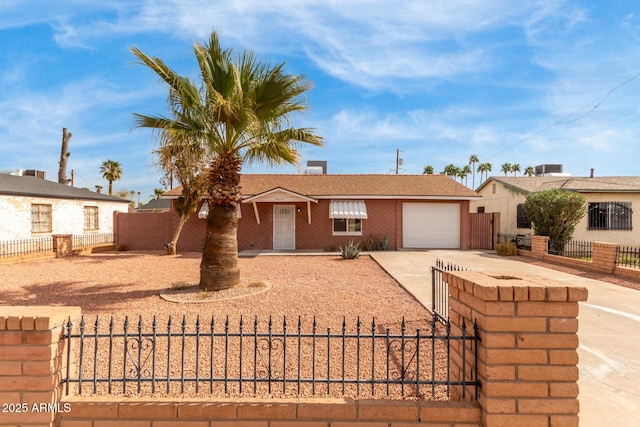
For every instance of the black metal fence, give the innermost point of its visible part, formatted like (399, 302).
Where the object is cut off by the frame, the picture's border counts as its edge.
(43, 245)
(573, 249)
(628, 256)
(365, 360)
(21, 247)
(440, 289)
(95, 239)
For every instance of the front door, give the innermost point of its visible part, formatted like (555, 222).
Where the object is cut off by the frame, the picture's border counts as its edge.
(284, 228)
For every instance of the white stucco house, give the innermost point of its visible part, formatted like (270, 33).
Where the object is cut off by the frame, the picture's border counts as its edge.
(613, 203)
(34, 207)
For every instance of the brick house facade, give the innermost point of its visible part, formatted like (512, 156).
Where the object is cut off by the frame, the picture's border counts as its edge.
(324, 212)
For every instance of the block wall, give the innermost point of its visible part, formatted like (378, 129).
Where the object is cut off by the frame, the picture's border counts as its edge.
(527, 359)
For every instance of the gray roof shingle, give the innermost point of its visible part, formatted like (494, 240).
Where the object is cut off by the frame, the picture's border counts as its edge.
(37, 187)
(606, 184)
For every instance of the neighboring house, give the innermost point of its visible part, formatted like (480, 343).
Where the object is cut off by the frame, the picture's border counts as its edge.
(613, 204)
(33, 207)
(157, 205)
(326, 211)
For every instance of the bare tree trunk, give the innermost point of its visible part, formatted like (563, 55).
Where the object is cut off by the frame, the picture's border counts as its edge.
(172, 246)
(64, 156)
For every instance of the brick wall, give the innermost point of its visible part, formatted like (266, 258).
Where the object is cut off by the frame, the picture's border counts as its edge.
(603, 260)
(32, 363)
(527, 359)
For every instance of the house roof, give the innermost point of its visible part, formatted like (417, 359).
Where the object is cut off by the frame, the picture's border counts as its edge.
(156, 205)
(349, 186)
(38, 187)
(604, 184)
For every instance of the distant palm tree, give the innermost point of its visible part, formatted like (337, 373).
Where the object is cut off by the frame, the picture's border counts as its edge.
(529, 171)
(111, 171)
(505, 168)
(515, 168)
(451, 170)
(465, 171)
(157, 193)
(473, 159)
(241, 111)
(484, 168)
(428, 170)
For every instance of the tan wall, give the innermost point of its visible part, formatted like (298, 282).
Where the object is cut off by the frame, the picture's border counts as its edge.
(505, 201)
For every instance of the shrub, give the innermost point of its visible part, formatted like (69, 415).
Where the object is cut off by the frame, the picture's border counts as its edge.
(351, 251)
(121, 247)
(375, 243)
(507, 249)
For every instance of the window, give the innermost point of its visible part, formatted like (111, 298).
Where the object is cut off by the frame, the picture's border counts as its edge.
(351, 226)
(480, 209)
(610, 215)
(91, 218)
(522, 220)
(41, 218)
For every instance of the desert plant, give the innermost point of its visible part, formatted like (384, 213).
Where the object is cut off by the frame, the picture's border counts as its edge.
(555, 213)
(376, 243)
(350, 251)
(507, 249)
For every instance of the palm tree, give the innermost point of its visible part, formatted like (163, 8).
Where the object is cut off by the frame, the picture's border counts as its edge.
(515, 168)
(451, 170)
(240, 112)
(157, 193)
(529, 171)
(465, 171)
(111, 171)
(505, 168)
(428, 170)
(484, 168)
(473, 159)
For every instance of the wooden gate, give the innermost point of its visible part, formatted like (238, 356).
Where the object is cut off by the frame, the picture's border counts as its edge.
(483, 230)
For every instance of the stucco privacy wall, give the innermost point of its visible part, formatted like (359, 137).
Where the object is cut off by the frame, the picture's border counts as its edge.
(151, 230)
(67, 216)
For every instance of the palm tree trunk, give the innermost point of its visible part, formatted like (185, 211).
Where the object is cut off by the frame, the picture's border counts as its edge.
(219, 267)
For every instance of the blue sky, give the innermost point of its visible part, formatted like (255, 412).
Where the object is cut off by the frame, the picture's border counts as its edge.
(527, 82)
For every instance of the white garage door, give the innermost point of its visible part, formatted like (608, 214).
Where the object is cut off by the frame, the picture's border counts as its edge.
(431, 225)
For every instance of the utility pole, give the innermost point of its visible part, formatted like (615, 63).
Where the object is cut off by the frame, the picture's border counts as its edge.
(398, 160)
(64, 156)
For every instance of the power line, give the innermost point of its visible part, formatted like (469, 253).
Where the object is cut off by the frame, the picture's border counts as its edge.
(562, 121)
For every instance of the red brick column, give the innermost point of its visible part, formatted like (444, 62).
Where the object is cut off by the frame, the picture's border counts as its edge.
(32, 364)
(527, 359)
(62, 245)
(539, 246)
(604, 257)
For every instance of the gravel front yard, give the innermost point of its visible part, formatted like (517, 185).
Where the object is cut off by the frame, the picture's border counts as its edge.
(326, 288)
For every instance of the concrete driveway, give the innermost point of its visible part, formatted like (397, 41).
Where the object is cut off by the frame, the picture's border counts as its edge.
(609, 328)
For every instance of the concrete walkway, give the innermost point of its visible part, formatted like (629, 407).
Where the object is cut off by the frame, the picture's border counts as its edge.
(609, 328)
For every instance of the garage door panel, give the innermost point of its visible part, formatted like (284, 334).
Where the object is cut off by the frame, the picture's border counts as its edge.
(431, 225)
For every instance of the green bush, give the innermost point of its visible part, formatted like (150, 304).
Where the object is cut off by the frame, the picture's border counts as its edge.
(507, 249)
(351, 251)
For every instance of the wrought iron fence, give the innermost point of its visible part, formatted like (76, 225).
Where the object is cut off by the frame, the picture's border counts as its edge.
(94, 239)
(440, 289)
(255, 359)
(20, 247)
(629, 256)
(573, 249)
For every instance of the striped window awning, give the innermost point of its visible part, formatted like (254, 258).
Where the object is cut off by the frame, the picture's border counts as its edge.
(347, 209)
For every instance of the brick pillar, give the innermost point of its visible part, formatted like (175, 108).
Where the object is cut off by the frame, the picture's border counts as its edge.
(527, 359)
(62, 245)
(32, 363)
(604, 257)
(539, 246)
